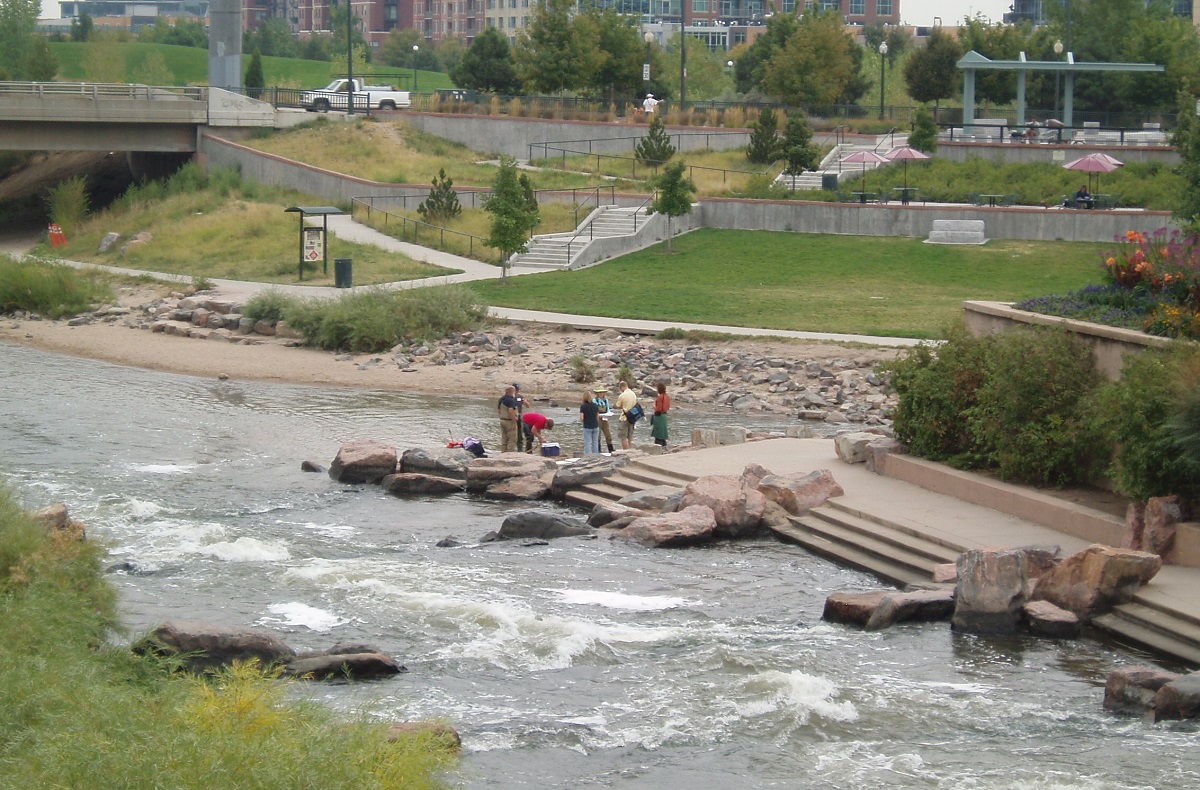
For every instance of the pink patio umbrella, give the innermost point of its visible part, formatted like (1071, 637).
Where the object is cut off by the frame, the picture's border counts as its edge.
(904, 153)
(865, 157)
(1094, 163)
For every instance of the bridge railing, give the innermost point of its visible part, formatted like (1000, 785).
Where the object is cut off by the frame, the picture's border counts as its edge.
(97, 90)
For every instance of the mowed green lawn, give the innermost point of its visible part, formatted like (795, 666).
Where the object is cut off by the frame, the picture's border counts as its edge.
(845, 284)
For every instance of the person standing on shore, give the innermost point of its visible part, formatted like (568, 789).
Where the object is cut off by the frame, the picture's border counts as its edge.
(589, 416)
(658, 423)
(521, 446)
(626, 401)
(506, 407)
(603, 407)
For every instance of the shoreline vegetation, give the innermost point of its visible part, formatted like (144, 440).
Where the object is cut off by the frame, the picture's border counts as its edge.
(79, 710)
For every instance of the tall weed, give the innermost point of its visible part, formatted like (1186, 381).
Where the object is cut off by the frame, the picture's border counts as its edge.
(68, 203)
(50, 289)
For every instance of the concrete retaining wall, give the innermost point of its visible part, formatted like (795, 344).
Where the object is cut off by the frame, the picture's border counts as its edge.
(1059, 154)
(1109, 344)
(1017, 222)
(514, 136)
(653, 231)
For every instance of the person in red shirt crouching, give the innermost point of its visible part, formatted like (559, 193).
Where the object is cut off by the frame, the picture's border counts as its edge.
(532, 424)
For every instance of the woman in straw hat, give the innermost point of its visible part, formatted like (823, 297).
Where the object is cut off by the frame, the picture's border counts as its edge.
(602, 405)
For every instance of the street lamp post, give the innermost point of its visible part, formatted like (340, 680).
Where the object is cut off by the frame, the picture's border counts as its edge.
(682, 68)
(883, 48)
(1058, 50)
(415, 50)
(649, 39)
(349, 58)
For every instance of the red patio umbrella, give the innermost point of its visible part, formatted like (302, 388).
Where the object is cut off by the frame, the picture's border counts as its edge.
(904, 153)
(865, 157)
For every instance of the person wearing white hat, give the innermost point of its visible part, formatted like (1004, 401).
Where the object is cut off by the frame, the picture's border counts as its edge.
(649, 104)
(601, 400)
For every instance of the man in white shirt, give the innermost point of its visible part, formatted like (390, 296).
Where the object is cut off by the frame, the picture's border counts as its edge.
(626, 401)
(649, 104)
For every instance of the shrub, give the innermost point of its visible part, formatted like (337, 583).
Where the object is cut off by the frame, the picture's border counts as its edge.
(1150, 416)
(582, 371)
(442, 202)
(937, 387)
(51, 289)
(764, 146)
(68, 203)
(1032, 416)
(376, 319)
(268, 305)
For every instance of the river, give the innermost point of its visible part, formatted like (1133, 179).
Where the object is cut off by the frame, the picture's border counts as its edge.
(582, 663)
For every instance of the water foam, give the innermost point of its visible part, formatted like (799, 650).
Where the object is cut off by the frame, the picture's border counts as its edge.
(798, 692)
(246, 550)
(612, 600)
(310, 617)
(162, 469)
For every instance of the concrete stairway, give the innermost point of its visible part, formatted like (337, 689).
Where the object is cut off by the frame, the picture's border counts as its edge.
(832, 164)
(556, 250)
(633, 477)
(1148, 623)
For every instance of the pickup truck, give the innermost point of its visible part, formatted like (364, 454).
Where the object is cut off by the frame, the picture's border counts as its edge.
(374, 97)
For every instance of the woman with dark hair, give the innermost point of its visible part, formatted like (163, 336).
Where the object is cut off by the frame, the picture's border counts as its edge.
(658, 423)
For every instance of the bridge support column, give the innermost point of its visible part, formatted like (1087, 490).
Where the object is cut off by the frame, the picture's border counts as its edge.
(225, 44)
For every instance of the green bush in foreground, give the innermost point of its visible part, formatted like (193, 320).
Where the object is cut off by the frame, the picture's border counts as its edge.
(50, 289)
(373, 319)
(1019, 403)
(78, 711)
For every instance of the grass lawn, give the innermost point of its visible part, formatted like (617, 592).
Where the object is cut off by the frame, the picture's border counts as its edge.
(243, 234)
(846, 284)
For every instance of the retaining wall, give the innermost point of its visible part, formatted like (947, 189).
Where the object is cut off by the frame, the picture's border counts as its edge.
(1058, 154)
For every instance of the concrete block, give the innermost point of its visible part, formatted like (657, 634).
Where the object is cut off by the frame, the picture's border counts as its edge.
(732, 434)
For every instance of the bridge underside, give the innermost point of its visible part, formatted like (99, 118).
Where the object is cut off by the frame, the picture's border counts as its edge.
(91, 136)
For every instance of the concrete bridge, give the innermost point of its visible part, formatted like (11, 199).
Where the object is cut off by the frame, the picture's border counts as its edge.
(75, 116)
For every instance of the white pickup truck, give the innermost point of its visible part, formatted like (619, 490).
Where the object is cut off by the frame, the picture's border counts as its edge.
(333, 97)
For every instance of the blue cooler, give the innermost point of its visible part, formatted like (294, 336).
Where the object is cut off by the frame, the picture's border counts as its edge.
(551, 450)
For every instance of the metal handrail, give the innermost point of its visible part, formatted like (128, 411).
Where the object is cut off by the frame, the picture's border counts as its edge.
(888, 135)
(93, 90)
(417, 224)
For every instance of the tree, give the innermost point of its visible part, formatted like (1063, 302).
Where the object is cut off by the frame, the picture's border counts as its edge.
(153, 70)
(749, 68)
(449, 52)
(674, 196)
(511, 217)
(1186, 139)
(397, 49)
(655, 148)
(255, 81)
(530, 196)
(273, 38)
(557, 53)
(817, 64)
(487, 65)
(706, 75)
(104, 60)
(620, 73)
(923, 136)
(798, 148)
(763, 147)
(18, 19)
(931, 73)
(442, 202)
(42, 65)
(81, 27)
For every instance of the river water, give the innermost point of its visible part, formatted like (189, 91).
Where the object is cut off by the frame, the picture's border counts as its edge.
(583, 663)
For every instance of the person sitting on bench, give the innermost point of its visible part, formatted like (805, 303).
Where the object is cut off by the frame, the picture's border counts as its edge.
(1083, 198)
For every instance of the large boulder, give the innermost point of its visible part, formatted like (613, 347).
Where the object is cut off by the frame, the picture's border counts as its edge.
(991, 591)
(852, 608)
(687, 527)
(363, 461)
(56, 518)
(524, 487)
(406, 483)
(913, 605)
(203, 646)
(1161, 516)
(737, 507)
(1178, 699)
(441, 462)
(852, 447)
(586, 471)
(1133, 689)
(485, 472)
(663, 499)
(1096, 579)
(797, 492)
(542, 525)
(1045, 619)
(344, 666)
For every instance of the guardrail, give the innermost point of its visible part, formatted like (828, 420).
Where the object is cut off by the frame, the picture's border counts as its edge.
(417, 226)
(988, 130)
(107, 90)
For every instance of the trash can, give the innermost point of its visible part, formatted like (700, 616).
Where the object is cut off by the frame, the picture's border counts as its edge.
(829, 182)
(343, 272)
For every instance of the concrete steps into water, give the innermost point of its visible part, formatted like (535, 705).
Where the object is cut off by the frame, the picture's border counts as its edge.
(1155, 622)
(636, 476)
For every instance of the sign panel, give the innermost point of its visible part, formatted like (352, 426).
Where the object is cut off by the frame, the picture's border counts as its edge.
(314, 244)
(646, 72)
